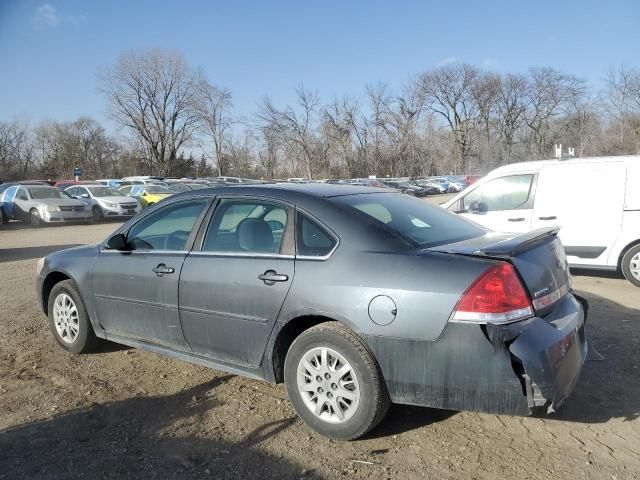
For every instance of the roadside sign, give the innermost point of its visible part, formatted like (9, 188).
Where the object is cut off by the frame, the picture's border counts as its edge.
(77, 172)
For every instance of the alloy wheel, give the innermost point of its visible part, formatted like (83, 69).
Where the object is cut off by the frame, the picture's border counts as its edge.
(634, 266)
(65, 318)
(328, 385)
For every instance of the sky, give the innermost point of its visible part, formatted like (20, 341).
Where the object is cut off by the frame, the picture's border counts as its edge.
(51, 52)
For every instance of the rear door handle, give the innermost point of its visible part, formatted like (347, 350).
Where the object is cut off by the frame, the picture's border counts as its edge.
(553, 217)
(271, 276)
(519, 219)
(162, 269)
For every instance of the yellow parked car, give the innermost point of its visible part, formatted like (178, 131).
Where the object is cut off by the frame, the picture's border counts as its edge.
(146, 194)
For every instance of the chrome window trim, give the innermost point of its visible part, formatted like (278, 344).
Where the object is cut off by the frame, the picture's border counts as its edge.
(242, 255)
(150, 252)
(326, 228)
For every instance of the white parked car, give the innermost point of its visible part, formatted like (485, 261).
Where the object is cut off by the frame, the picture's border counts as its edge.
(104, 201)
(594, 201)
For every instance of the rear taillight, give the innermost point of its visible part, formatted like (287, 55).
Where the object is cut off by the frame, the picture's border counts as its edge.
(497, 297)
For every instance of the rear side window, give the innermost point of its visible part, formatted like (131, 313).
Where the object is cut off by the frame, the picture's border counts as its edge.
(311, 239)
(246, 226)
(415, 220)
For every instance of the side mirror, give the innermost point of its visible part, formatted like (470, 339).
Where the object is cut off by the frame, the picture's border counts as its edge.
(117, 242)
(84, 195)
(478, 207)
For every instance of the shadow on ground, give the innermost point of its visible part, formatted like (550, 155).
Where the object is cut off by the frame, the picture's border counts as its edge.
(136, 438)
(28, 253)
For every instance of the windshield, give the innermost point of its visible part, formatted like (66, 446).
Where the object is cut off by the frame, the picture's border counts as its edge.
(46, 192)
(157, 189)
(413, 219)
(104, 192)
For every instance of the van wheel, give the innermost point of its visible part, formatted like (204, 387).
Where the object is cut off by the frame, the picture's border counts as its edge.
(631, 265)
(34, 218)
(334, 383)
(69, 320)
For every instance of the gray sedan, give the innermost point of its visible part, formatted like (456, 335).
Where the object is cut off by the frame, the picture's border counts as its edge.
(38, 204)
(104, 201)
(354, 297)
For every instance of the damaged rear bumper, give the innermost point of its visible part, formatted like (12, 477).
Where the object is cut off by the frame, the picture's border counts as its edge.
(510, 369)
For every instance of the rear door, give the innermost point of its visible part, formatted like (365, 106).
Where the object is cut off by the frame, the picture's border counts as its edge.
(503, 204)
(231, 291)
(586, 201)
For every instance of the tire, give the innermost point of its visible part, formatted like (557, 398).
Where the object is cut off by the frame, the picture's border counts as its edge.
(631, 265)
(34, 218)
(66, 295)
(364, 383)
(98, 214)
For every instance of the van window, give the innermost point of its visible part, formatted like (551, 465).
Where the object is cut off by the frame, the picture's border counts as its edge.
(504, 193)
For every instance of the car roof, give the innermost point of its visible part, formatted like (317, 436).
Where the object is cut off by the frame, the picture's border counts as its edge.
(535, 166)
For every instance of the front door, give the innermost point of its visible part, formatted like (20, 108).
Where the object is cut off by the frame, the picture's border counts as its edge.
(503, 204)
(231, 291)
(136, 291)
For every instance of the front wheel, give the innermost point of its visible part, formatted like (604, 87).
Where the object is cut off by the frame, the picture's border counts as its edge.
(34, 218)
(69, 320)
(98, 215)
(631, 265)
(334, 383)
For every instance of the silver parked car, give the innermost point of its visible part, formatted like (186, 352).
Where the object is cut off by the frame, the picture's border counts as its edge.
(104, 201)
(354, 297)
(39, 204)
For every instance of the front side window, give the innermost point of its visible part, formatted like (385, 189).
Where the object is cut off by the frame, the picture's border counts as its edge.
(22, 194)
(312, 240)
(168, 228)
(504, 193)
(413, 219)
(246, 226)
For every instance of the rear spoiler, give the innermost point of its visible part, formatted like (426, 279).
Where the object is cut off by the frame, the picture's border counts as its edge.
(521, 243)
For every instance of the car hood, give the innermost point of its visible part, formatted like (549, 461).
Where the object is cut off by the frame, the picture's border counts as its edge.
(60, 202)
(115, 199)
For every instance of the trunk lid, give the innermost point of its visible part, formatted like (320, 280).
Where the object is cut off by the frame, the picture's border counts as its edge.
(538, 256)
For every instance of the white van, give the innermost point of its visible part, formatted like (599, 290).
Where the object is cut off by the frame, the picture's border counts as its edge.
(594, 201)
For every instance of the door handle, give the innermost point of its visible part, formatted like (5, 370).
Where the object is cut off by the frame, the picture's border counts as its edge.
(553, 217)
(162, 269)
(271, 276)
(519, 219)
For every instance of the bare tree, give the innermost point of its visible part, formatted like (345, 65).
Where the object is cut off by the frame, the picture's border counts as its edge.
(154, 94)
(449, 92)
(16, 150)
(295, 127)
(551, 96)
(214, 112)
(510, 108)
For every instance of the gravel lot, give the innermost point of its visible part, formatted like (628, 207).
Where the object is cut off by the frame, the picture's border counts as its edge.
(124, 413)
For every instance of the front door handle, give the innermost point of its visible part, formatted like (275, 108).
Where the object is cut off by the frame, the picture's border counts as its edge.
(553, 217)
(271, 276)
(162, 269)
(519, 219)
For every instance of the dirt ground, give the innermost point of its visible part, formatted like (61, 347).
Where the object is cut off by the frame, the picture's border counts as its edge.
(124, 413)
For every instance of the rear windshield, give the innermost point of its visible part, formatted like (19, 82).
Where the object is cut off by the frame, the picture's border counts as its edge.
(413, 219)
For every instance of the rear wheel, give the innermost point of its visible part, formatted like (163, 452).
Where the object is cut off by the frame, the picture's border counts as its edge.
(631, 265)
(69, 320)
(334, 383)
(98, 215)
(34, 218)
